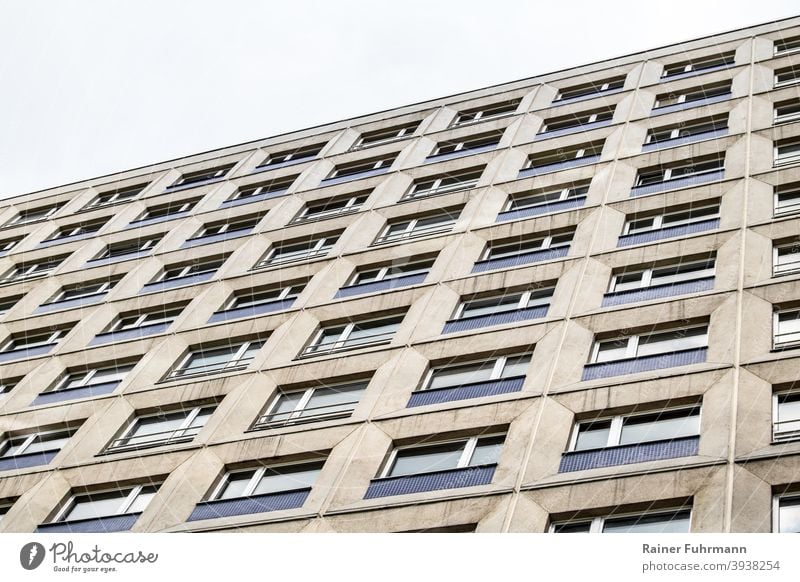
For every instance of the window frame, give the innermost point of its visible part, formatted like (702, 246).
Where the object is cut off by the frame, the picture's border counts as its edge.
(295, 416)
(20, 218)
(497, 373)
(117, 197)
(617, 82)
(786, 160)
(351, 168)
(776, 509)
(351, 204)
(258, 474)
(658, 219)
(384, 270)
(63, 382)
(143, 319)
(341, 343)
(566, 193)
(184, 429)
(28, 439)
(786, 82)
(200, 176)
(647, 274)
(398, 132)
(484, 113)
(470, 444)
(436, 184)
(127, 502)
(597, 524)
(792, 116)
(54, 338)
(180, 370)
(547, 244)
(776, 315)
(776, 417)
(525, 297)
(776, 270)
(410, 230)
(283, 293)
(320, 248)
(633, 342)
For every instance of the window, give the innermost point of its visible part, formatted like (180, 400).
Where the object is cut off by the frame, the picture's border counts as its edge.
(35, 339)
(787, 512)
(787, 152)
(787, 111)
(584, 90)
(444, 183)
(787, 329)
(786, 415)
(9, 243)
(8, 384)
(786, 76)
(504, 303)
(289, 251)
(165, 210)
(444, 456)
(532, 200)
(266, 480)
(7, 303)
(211, 360)
(473, 142)
(263, 189)
(691, 215)
(81, 228)
(565, 154)
(139, 320)
(197, 267)
(666, 275)
(700, 64)
(787, 45)
(331, 207)
(163, 428)
(202, 175)
(107, 503)
(115, 197)
(4, 509)
(37, 442)
(94, 376)
(296, 155)
(660, 342)
(577, 120)
(254, 298)
(500, 368)
(786, 258)
(645, 427)
(312, 405)
(129, 247)
(349, 336)
(34, 215)
(417, 227)
(84, 289)
(234, 225)
(663, 521)
(517, 247)
(387, 135)
(684, 169)
(393, 271)
(32, 269)
(485, 112)
(787, 199)
(686, 129)
(692, 95)
(362, 166)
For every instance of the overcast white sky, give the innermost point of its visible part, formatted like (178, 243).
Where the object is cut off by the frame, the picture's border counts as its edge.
(93, 87)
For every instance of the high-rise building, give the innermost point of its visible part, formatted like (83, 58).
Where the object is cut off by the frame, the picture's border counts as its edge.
(566, 303)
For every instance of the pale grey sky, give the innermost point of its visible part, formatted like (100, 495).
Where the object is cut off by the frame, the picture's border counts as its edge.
(91, 87)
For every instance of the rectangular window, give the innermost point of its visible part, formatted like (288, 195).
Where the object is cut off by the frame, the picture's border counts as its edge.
(393, 271)
(34, 215)
(165, 210)
(500, 368)
(9, 243)
(686, 129)
(84, 289)
(660, 521)
(6, 303)
(444, 456)
(586, 89)
(787, 45)
(267, 480)
(787, 111)
(78, 229)
(329, 208)
(238, 224)
(613, 431)
(198, 267)
(670, 274)
(387, 135)
(699, 64)
(576, 120)
(34, 339)
(253, 298)
(202, 175)
(787, 76)
(474, 142)
(138, 320)
(786, 259)
(499, 250)
(504, 303)
(107, 503)
(8, 384)
(115, 197)
(264, 189)
(354, 335)
(129, 247)
(532, 200)
(37, 442)
(691, 215)
(167, 427)
(362, 166)
(787, 513)
(787, 329)
(693, 95)
(787, 152)
(786, 416)
(660, 342)
(683, 169)
(565, 154)
(93, 376)
(444, 183)
(486, 112)
(293, 156)
(418, 227)
(289, 251)
(32, 269)
(202, 361)
(312, 405)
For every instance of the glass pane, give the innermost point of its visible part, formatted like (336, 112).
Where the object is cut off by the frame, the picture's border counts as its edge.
(670, 341)
(51, 442)
(460, 375)
(286, 404)
(372, 330)
(789, 408)
(142, 500)
(662, 426)
(152, 425)
(407, 269)
(287, 479)
(516, 366)
(334, 399)
(612, 350)
(427, 459)
(789, 519)
(12, 447)
(210, 358)
(572, 527)
(491, 305)
(96, 505)
(201, 419)
(593, 435)
(677, 522)
(487, 451)
(235, 485)
(110, 375)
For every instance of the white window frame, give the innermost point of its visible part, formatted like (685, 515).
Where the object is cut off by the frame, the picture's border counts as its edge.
(125, 504)
(787, 208)
(777, 269)
(27, 440)
(258, 475)
(181, 371)
(22, 272)
(776, 328)
(563, 194)
(105, 287)
(283, 293)
(697, 65)
(184, 206)
(597, 524)
(666, 174)
(90, 373)
(786, 117)
(76, 230)
(20, 218)
(646, 280)
(603, 87)
(579, 121)
(410, 229)
(546, 244)
(701, 93)
(497, 372)
(383, 271)
(398, 132)
(790, 435)
(116, 197)
(787, 82)
(144, 319)
(463, 462)
(658, 220)
(479, 114)
(632, 347)
(344, 337)
(320, 247)
(352, 204)
(675, 132)
(617, 421)
(467, 143)
(185, 271)
(225, 227)
(522, 303)
(147, 245)
(301, 406)
(376, 165)
(9, 244)
(793, 40)
(213, 173)
(786, 160)
(176, 434)
(292, 155)
(52, 339)
(277, 185)
(776, 509)
(437, 188)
